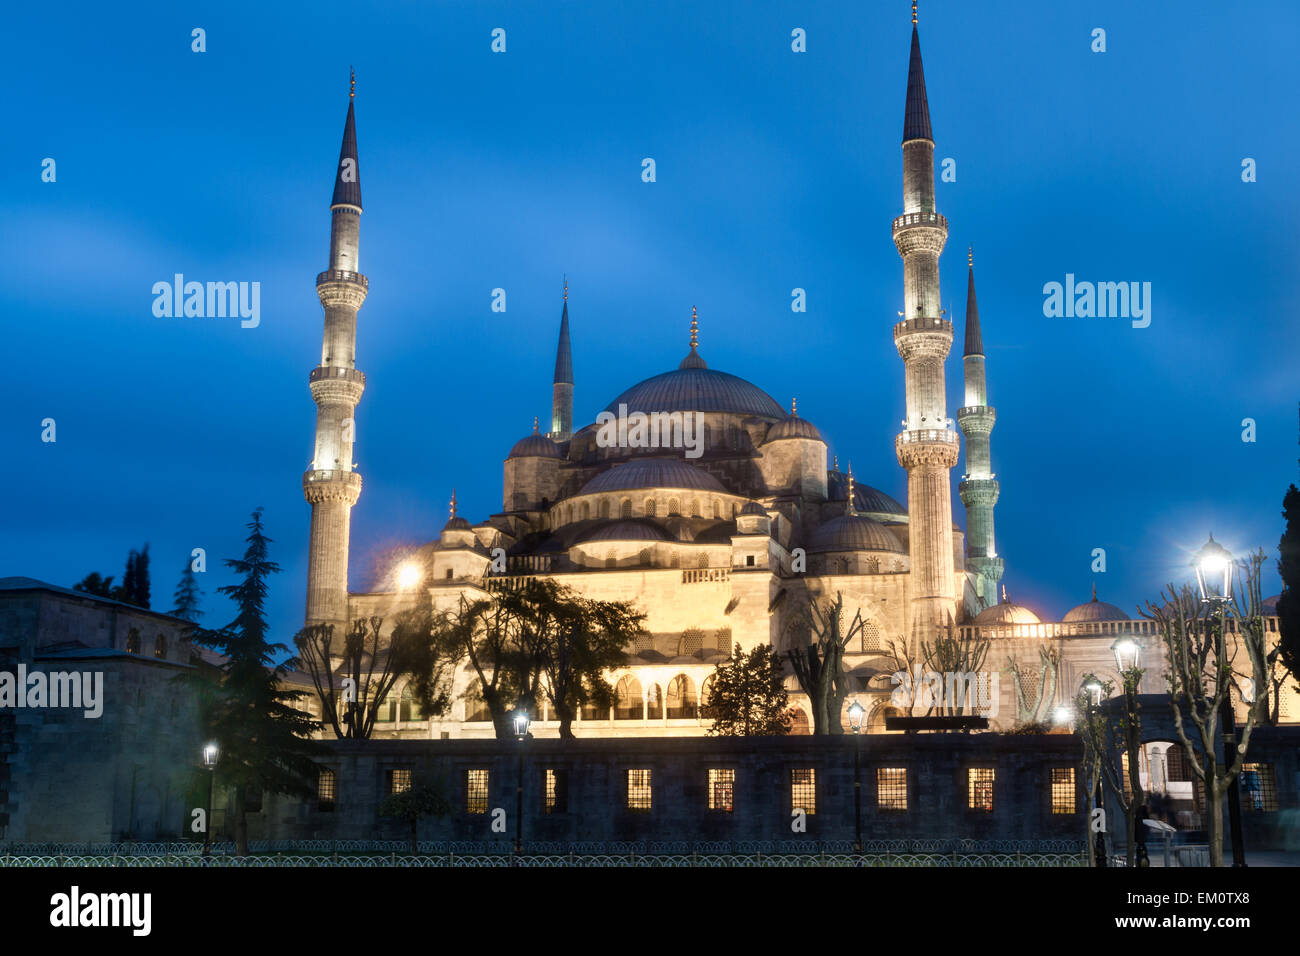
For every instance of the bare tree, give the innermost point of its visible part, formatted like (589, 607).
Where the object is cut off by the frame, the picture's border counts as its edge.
(819, 667)
(956, 654)
(1201, 676)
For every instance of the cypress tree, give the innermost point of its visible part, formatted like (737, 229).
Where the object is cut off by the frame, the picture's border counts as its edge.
(1288, 567)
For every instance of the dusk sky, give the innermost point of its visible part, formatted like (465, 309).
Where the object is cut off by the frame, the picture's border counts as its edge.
(775, 170)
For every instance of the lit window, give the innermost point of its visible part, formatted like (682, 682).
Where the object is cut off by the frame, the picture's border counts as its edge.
(1063, 790)
(803, 789)
(160, 646)
(639, 791)
(979, 789)
(325, 790)
(1258, 787)
(476, 791)
(133, 641)
(722, 790)
(557, 791)
(891, 788)
(399, 781)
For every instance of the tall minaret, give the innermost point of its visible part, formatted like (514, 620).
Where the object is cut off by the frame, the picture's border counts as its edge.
(562, 388)
(331, 485)
(927, 447)
(978, 488)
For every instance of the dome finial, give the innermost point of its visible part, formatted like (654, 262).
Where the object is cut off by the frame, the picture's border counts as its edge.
(913, 12)
(566, 287)
(1004, 595)
(794, 407)
(352, 85)
(695, 329)
(970, 256)
(453, 502)
(534, 424)
(835, 466)
(850, 498)
(1094, 590)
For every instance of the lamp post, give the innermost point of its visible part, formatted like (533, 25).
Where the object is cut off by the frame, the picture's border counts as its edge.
(1093, 689)
(1214, 579)
(210, 754)
(521, 734)
(1128, 658)
(855, 721)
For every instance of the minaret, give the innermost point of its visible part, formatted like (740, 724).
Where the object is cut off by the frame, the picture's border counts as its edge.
(331, 485)
(562, 389)
(927, 447)
(978, 487)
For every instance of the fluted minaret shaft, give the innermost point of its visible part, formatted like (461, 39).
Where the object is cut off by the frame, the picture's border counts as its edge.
(331, 485)
(978, 488)
(927, 447)
(562, 384)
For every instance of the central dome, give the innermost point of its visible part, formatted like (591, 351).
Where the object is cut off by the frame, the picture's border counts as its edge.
(695, 389)
(652, 473)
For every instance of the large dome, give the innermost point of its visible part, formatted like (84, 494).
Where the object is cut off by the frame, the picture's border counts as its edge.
(854, 533)
(695, 389)
(652, 473)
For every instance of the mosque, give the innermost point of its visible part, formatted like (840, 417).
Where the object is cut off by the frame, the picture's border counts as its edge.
(724, 544)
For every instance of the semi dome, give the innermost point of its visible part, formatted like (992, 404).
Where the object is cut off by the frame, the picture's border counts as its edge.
(754, 508)
(792, 426)
(628, 531)
(652, 473)
(854, 533)
(695, 388)
(873, 501)
(1094, 610)
(535, 445)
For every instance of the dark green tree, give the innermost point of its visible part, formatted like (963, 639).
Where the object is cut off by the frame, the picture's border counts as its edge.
(186, 599)
(1287, 652)
(747, 697)
(93, 583)
(263, 737)
(421, 799)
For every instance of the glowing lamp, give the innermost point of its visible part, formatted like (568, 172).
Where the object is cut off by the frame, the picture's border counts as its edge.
(1093, 688)
(1127, 653)
(1062, 715)
(1214, 572)
(210, 754)
(855, 716)
(521, 723)
(408, 576)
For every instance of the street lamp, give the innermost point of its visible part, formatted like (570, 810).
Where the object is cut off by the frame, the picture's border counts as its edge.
(1093, 689)
(210, 754)
(856, 712)
(1214, 578)
(521, 721)
(1063, 715)
(1128, 656)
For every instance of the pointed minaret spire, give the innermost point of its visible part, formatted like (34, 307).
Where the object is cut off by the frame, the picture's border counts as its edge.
(916, 112)
(1094, 590)
(347, 178)
(978, 488)
(693, 359)
(453, 502)
(562, 383)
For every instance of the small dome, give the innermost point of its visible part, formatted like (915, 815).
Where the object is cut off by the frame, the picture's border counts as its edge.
(535, 445)
(652, 473)
(792, 426)
(854, 533)
(457, 524)
(1094, 610)
(628, 531)
(871, 501)
(754, 508)
(1007, 613)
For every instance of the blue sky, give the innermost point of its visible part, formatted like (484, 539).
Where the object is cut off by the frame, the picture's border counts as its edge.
(775, 170)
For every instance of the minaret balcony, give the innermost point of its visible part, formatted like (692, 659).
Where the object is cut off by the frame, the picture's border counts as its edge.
(332, 373)
(970, 411)
(910, 219)
(944, 436)
(928, 324)
(325, 484)
(342, 275)
(927, 446)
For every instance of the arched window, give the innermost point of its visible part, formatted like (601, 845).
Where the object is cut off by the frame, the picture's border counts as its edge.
(706, 690)
(717, 508)
(133, 641)
(674, 507)
(628, 704)
(410, 707)
(160, 646)
(703, 561)
(650, 507)
(654, 703)
(625, 508)
(611, 559)
(799, 723)
(586, 510)
(695, 507)
(476, 707)
(591, 711)
(604, 507)
(644, 557)
(681, 699)
(386, 713)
